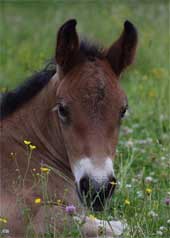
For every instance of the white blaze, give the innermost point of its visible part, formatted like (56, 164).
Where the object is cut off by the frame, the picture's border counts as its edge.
(86, 166)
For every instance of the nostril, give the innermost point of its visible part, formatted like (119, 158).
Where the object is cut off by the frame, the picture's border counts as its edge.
(84, 185)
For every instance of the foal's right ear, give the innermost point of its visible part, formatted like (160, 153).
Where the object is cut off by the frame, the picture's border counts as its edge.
(67, 45)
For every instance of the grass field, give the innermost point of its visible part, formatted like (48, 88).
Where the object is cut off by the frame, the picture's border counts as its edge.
(27, 40)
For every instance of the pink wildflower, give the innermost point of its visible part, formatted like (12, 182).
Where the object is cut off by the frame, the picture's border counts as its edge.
(167, 201)
(70, 209)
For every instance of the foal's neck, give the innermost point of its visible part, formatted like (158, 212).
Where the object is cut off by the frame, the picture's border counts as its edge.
(39, 124)
(47, 127)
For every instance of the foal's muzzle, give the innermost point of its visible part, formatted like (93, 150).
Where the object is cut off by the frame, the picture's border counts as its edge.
(93, 193)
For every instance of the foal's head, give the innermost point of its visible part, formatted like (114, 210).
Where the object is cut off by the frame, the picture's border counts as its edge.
(90, 106)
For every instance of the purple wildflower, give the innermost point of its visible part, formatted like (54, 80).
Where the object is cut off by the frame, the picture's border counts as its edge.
(167, 201)
(71, 209)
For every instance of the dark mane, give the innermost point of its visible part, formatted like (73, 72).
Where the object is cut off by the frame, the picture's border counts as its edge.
(16, 98)
(13, 100)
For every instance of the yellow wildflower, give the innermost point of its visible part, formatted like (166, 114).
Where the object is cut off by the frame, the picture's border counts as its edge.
(152, 94)
(37, 200)
(3, 220)
(27, 142)
(113, 183)
(59, 202)
(158, 72)
(32, 147)
(92, 217)
(145, 77)
(45, 169)
(148, 191)
(127, 202)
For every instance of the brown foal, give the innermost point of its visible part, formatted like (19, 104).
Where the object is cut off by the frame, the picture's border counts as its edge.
(71, 112)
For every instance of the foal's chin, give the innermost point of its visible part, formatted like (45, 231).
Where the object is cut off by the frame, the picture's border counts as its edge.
(95, 205)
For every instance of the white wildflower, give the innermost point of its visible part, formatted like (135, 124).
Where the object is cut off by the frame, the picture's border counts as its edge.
(144, 142)
(5, 231)
(118, 183)
(134, 180)
(139, 194)
(128, 185)
(127, 130)
(129, 143)
(148, 179)
(160, 233)
(149, 140)
(162, 228)
(136, 125)
(139, 175)
(152, 214)
(162, 117)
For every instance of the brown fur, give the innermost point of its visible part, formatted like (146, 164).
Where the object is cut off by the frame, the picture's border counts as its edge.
(92, 91)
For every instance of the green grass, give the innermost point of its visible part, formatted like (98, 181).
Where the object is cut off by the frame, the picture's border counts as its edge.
(27, 36)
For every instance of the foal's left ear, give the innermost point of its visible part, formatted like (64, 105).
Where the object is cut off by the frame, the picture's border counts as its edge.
(122, 52)
(67, 45)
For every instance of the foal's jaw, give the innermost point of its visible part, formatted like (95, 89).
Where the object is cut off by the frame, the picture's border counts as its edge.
(94, 183)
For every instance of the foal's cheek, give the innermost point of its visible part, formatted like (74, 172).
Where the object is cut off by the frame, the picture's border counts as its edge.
(71, 143)
(113, 136)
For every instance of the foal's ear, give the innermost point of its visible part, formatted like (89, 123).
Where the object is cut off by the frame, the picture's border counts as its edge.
(67, 45)
(122, 52)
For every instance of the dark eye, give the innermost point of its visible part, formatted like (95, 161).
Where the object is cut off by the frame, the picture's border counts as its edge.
(123, 112)
(63, 113)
